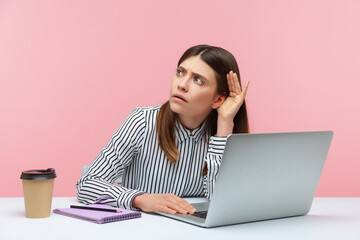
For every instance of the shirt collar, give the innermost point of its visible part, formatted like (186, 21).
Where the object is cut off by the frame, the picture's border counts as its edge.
(183, 133)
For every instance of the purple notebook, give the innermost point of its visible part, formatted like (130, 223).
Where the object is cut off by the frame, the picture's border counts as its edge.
(98, 216)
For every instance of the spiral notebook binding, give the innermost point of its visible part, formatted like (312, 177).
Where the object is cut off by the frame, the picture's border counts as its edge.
(123, 217)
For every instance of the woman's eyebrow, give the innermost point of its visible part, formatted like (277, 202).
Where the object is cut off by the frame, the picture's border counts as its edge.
(185, 70)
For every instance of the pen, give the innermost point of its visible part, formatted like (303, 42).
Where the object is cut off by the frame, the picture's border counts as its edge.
(95, 208)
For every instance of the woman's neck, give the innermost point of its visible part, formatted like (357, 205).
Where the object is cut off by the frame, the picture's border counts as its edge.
(190, 123)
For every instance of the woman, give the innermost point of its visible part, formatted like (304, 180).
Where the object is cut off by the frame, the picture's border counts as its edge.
(174, 150)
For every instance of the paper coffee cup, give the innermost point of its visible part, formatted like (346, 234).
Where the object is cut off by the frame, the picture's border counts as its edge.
(38, 189)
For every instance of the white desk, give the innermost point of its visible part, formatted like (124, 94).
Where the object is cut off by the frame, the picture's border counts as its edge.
(329, 218)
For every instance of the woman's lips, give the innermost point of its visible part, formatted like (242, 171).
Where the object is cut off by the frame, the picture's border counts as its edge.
(179, 98)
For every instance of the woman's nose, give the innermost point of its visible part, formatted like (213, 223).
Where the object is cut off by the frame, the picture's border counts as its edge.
(183, 84)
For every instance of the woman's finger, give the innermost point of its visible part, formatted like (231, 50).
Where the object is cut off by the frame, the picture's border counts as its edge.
(243, 93)
(166, 209)
(180, 205)
(246, 87)
(177, 208)
(236, 84)
(229, 81)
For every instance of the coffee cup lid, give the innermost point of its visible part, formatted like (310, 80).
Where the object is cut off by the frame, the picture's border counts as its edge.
(38, 174)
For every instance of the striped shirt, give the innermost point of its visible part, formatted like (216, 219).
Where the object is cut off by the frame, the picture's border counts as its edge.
(134, 154)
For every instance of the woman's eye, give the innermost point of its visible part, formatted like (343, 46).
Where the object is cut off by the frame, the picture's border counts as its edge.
(178, 72)
(198, 80)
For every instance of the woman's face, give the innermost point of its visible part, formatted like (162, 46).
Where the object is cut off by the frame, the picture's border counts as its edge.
(193, 89)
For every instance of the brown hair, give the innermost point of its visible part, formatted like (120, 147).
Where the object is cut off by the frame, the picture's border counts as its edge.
(222, 62)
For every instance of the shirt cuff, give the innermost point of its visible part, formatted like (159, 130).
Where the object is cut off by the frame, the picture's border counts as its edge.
(126, 198)
(123, 196)
(217, 145)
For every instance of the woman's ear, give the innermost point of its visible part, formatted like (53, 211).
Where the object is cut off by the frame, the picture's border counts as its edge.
(219, 100)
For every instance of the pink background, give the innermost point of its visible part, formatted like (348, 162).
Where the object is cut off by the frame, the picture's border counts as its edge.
(71, 71)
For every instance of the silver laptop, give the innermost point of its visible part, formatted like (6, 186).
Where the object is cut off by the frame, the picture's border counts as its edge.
(264, 176)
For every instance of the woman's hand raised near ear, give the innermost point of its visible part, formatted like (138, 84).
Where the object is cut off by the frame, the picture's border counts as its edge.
(233, 102)
(231, 105)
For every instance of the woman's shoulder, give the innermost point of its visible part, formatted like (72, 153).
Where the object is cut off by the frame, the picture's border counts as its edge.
(145, 114)
(148, 110)
(151, 108)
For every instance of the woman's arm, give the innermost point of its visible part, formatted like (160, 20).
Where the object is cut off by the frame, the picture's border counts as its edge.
(225, 126)
(97, 183)
(213, 161)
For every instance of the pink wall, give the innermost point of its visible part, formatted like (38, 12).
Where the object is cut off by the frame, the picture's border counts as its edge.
(71, 71)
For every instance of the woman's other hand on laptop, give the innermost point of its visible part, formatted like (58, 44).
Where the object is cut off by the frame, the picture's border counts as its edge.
(168, 203)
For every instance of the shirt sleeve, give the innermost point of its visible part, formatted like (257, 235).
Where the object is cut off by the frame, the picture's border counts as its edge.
(213, 161)
(97, 185)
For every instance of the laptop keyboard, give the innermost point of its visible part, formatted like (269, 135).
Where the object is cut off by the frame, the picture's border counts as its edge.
(200, 214)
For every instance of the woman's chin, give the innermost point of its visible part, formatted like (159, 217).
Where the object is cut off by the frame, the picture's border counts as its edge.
(176, 108)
